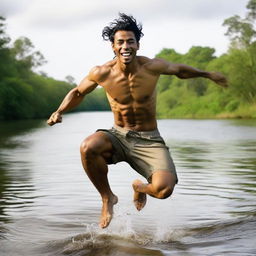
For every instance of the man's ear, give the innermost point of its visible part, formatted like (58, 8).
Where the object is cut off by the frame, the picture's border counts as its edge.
(112, 45)
(138, 45)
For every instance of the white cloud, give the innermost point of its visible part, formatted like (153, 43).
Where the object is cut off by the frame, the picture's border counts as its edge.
(53, 14)
(9, 8)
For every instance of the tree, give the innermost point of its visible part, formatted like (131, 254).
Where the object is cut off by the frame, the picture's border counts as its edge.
(70, 79)
(4, 39)
(7, 67)
(170, 55)
(241, 30)
(242, 53)
(251, 6)
(26, 94)
(23, 50)
(199, 56)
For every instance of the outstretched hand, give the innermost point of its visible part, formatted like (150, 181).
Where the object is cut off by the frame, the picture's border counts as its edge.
(219, 79)
(54, 118)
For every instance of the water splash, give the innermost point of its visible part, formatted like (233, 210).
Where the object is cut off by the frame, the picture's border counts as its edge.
(165, 234)
(120, 240)
(120, 237)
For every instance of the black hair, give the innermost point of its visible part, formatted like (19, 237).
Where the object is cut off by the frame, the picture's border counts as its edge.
(124, 22)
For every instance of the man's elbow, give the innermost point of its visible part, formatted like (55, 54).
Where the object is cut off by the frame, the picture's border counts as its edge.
(77, 93)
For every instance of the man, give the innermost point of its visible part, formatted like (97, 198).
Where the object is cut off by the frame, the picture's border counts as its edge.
(130, 84)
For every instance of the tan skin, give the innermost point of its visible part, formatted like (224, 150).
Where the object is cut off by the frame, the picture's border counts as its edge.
(130, 84)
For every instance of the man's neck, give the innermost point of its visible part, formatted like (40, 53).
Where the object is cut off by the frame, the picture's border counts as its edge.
(128, 68)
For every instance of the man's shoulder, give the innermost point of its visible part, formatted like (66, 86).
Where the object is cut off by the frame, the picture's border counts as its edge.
(100, 72)
(143, 59)
(155, 65)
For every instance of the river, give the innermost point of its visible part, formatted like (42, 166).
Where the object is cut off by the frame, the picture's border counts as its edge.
(49, 207)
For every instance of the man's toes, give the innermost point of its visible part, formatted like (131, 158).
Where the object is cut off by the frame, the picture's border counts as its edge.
(140, 201)
(139, 206)
(105, 222)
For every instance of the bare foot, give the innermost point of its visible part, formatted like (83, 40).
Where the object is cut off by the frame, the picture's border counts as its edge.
(139, 198)
(107, 211)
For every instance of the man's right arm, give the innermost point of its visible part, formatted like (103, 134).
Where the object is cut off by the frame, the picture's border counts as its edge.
(73, 98)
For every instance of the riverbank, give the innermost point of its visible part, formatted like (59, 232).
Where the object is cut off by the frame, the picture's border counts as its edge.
(243, 112)
(194, 111)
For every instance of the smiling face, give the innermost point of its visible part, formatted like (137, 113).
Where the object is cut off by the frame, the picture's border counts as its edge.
(125, 46)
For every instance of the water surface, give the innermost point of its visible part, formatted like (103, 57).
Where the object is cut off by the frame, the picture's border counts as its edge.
(49, 207)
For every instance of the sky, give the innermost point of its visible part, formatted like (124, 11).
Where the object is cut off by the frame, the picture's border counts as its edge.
(68, 32)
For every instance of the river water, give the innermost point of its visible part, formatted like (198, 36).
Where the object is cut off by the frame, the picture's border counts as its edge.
(49, 207)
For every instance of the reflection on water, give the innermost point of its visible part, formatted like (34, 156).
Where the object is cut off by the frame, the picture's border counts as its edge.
(15, 185)
(49, 207)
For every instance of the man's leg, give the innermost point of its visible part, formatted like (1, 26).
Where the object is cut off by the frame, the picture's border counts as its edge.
(95, 150)
(161, 186)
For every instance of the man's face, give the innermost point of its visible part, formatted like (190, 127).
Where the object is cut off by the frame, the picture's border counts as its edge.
(125, 46)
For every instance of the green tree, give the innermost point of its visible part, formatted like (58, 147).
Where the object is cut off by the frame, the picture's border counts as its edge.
(27, 57)
(242, 34)
(26, 94)
(171, 55)
(199, 56)
(4, 39)
(6, 61)
(241, 30)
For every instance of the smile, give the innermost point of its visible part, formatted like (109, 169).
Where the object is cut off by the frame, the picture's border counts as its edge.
(126, 54)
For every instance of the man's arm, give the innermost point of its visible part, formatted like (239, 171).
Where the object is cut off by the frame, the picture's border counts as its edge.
(184, 71)
(73, 99)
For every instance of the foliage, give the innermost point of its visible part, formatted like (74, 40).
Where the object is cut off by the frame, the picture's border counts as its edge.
(241, 30)
(26, 94)
(24, 54)
(200, 98)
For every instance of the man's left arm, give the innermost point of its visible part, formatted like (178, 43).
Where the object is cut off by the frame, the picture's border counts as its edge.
(184, 72)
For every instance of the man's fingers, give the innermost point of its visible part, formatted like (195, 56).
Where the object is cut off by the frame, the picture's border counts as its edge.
(50, 122)
(223, 82)
(54, 119)
(219, 79)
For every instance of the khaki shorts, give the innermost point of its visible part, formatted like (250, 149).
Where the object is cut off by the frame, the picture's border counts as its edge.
(146, 152)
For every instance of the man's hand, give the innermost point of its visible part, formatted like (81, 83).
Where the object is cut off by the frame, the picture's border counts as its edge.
(218, 78)
(54, 118)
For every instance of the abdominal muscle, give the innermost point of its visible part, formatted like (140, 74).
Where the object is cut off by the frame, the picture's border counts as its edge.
(137, 117)
(133, 101)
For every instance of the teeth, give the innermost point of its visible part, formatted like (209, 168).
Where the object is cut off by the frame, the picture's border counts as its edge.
(126, 54)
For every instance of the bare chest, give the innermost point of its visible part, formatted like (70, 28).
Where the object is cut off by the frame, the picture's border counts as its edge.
(138, 87)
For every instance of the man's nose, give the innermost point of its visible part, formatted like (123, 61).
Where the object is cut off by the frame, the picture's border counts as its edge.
(125, 45)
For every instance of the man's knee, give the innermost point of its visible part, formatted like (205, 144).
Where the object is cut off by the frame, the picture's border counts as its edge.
(88, 147)
(94, 145)
(163, 184)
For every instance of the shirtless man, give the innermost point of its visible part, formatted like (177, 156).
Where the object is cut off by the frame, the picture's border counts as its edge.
(130, 84)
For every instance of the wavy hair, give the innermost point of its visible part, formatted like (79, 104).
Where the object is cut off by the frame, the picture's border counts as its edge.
(124, 22)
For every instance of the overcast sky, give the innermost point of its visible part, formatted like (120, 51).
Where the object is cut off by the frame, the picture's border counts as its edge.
(68, 32)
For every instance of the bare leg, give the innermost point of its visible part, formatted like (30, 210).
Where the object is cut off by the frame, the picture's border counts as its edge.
(161, 187)
(94, 150)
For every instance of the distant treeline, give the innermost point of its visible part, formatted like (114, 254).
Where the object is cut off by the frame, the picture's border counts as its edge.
(201, 98)
(26, 94)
